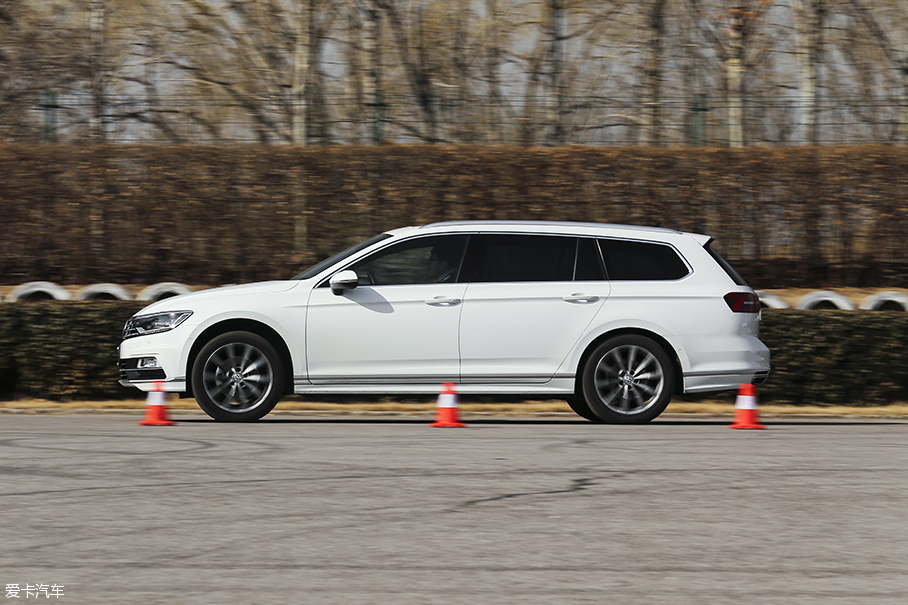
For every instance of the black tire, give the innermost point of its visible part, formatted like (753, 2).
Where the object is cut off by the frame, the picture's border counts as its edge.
(628, 380)
(578, 404)
(237, 377)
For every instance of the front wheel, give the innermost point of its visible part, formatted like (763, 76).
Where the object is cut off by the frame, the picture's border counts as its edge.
(578, 404)
(628, 380)
(237, 377)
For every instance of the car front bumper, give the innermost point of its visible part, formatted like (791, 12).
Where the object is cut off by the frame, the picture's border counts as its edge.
(168, 368)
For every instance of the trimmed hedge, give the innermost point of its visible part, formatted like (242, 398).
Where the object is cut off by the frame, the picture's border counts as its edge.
(836, 357)
(808, 217)
(68, 350)
(63, 350)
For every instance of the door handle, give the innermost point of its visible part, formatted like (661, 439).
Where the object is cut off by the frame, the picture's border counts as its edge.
(580, 298)
(443, 301)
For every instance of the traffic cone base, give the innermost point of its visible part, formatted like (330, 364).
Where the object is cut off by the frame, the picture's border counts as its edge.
(747, 415)
(156, 408)
(446, 411)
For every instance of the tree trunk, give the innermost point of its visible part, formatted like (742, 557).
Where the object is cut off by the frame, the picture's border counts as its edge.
(653, 74)
(734, 68)
(97, 26)
(493, 60)
(902, 129)
(373, 85)
(298, 89)
(810, 17)
(555, 103)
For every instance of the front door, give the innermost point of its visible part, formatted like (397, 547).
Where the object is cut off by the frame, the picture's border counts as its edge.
(399, 325)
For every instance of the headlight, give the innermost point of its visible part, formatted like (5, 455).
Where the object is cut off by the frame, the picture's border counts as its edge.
(154, 323)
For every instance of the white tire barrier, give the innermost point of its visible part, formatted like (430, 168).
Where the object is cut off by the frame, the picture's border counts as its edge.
(38, 290)
(771, 300)
(103, 292)
(824, 299)
(163, 290)
(886, 301)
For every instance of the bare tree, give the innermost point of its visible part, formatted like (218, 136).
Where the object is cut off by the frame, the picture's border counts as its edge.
(888, 29)
(537, 71)
(264, 56)
(739, 33)
(413, 45)
(37, 60)
(15, 30)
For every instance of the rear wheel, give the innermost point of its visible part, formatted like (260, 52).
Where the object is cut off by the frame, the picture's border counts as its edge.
(237, 377)
(628, 380)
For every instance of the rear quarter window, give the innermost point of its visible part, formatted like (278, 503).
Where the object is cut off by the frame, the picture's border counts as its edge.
(627, 260)
(726, 266)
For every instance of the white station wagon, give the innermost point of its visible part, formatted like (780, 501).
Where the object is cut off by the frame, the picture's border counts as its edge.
(614, 319)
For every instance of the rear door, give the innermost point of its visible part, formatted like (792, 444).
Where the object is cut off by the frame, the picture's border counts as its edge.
(529, 299)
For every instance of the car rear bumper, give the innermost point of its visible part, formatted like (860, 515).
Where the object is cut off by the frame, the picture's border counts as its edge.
(722, 381)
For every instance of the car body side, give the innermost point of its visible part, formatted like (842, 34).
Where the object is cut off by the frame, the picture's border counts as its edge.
(687, 316)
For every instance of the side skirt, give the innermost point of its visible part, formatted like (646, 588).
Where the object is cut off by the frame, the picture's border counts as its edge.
(557, 387)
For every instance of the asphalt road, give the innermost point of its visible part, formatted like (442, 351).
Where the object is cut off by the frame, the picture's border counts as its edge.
(348, 511)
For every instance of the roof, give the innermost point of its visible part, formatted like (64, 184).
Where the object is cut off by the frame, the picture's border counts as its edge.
(542, 225)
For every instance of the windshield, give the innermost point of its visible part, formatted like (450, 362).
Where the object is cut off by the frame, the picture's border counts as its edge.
(315, 270)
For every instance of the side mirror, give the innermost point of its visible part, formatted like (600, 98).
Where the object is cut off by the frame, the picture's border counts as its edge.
(345, 280)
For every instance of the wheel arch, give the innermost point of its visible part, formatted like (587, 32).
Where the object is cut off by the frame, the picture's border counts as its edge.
(677, 388)
(245, 325)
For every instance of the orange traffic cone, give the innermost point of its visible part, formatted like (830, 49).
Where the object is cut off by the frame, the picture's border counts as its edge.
(746, 414)
(156, 407)
(446, 410)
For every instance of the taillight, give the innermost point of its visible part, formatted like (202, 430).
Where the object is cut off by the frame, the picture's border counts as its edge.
(743, 302)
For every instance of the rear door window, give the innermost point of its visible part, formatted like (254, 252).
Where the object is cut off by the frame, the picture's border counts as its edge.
(521, 258)
(627, 260)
